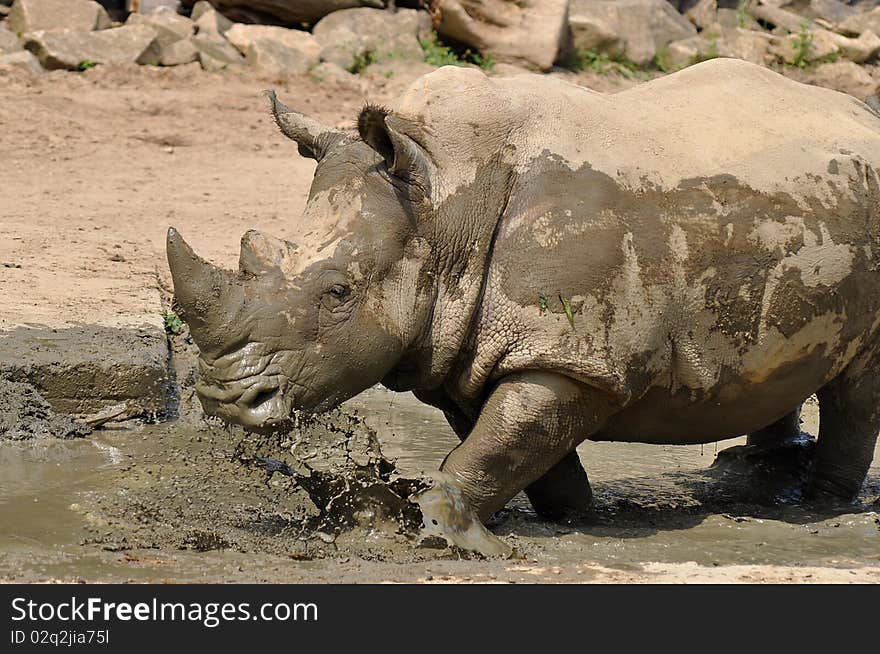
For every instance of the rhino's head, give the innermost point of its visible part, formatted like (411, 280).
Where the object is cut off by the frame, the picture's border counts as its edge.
(306, 325)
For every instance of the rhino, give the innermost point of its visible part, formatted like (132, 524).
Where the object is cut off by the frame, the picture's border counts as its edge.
(679, 263)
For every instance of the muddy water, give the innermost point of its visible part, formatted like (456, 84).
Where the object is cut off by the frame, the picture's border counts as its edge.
(170, 502)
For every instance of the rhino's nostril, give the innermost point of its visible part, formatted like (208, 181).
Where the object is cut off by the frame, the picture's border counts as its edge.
(262, 397)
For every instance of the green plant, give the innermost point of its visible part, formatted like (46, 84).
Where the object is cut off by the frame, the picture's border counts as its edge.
(173, 323)
(88, 63)
(438, 53)
(543, 303)
(599, 62)
(361, 61)
(742, 13)
(803, 47)
(567, 308)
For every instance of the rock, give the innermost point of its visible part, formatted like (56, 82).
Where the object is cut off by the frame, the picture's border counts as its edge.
(171, 28)
(778, 17)
(860, 50)
(148, 6)
(641, 26)
(844, 76)
(33, 15)
(349, 35)
(9, 42)
(209, 21)
(794, 49)
(276, 59)
(242, 36)
(859, 23)
(68, 49)
(328, 72)
(290, 12)
(833, 11)
(178, 53)
(745, 44)
(681, 54)
(529, 33)
(215, 53)
(21, 59)
(737, 18)
(703, 14)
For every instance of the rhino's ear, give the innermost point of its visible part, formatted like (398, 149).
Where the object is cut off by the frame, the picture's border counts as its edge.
(313, 139)
(391, 136)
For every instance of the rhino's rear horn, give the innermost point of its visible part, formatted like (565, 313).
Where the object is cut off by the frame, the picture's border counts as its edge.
(313, 138)
(261, 254)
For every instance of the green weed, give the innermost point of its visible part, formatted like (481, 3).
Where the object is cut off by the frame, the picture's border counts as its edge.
(173, 323)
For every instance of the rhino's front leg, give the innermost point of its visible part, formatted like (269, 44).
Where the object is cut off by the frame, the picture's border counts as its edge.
(529, 424)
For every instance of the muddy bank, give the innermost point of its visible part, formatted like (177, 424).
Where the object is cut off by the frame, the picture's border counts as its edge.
(25, 414)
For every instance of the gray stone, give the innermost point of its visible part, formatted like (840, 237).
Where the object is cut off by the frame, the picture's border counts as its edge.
(833, 11)
(216, 53)
(33, 15)
(529, 33)
(68, 49)
(328, 72)
(21, 59)
(844, 76)
(283, 12)
(274, 58)
(148, 6)
(210, 22)
(351, 33)
(171, 28)
(641, 27)
(241, 36)
(861, 23)
(703, 14)
(860, 50)
(179, 53)
(9, 42)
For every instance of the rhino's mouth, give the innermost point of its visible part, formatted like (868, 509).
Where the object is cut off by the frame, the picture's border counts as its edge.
(246, 389)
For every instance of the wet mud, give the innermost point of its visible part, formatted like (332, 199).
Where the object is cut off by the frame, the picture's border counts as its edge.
(25, 414)
(196, 501)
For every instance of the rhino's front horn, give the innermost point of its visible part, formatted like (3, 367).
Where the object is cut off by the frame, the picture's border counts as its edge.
(312, 137)
(206, 295)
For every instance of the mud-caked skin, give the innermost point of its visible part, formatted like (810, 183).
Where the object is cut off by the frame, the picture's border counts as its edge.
(683, 262)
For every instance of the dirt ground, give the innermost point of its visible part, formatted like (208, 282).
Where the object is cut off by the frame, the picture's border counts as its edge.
(95, 167)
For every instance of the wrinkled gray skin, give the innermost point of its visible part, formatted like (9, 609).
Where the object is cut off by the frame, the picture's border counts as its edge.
(684, 262)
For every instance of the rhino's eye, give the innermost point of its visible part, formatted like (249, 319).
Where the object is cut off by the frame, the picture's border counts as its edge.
(338, 291)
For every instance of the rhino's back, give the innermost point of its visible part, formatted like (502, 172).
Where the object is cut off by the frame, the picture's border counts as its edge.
(726, 276)
(720, 117)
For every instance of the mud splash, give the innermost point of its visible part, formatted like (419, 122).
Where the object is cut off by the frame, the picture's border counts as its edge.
(25, 414)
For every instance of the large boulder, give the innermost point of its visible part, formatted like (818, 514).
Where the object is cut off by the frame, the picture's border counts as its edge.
(844, 76)
(855, 25)
(209, 21)
(832, 11)
(529, 33)
(640, 28)
(70, 49)
(9, 42)
(306, 46)
(353, 35)
(274, 58)
(21, 59)
(171, 28)
(284, 12)
(215, 53)
(33, 15)
(733, 43)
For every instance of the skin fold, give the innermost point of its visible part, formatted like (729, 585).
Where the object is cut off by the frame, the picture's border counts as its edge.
(683, 262)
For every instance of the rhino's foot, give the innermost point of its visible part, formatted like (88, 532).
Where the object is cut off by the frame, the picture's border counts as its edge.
(785, 430)
(849, 420)
(792, 457)
(563, 493)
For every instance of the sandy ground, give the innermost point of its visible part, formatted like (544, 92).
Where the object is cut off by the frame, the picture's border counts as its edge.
(97, 165)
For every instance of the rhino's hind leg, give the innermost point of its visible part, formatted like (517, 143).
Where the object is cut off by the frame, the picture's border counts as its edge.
(849, 421)
(785, 430)
(530, 422)
(563, 492)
